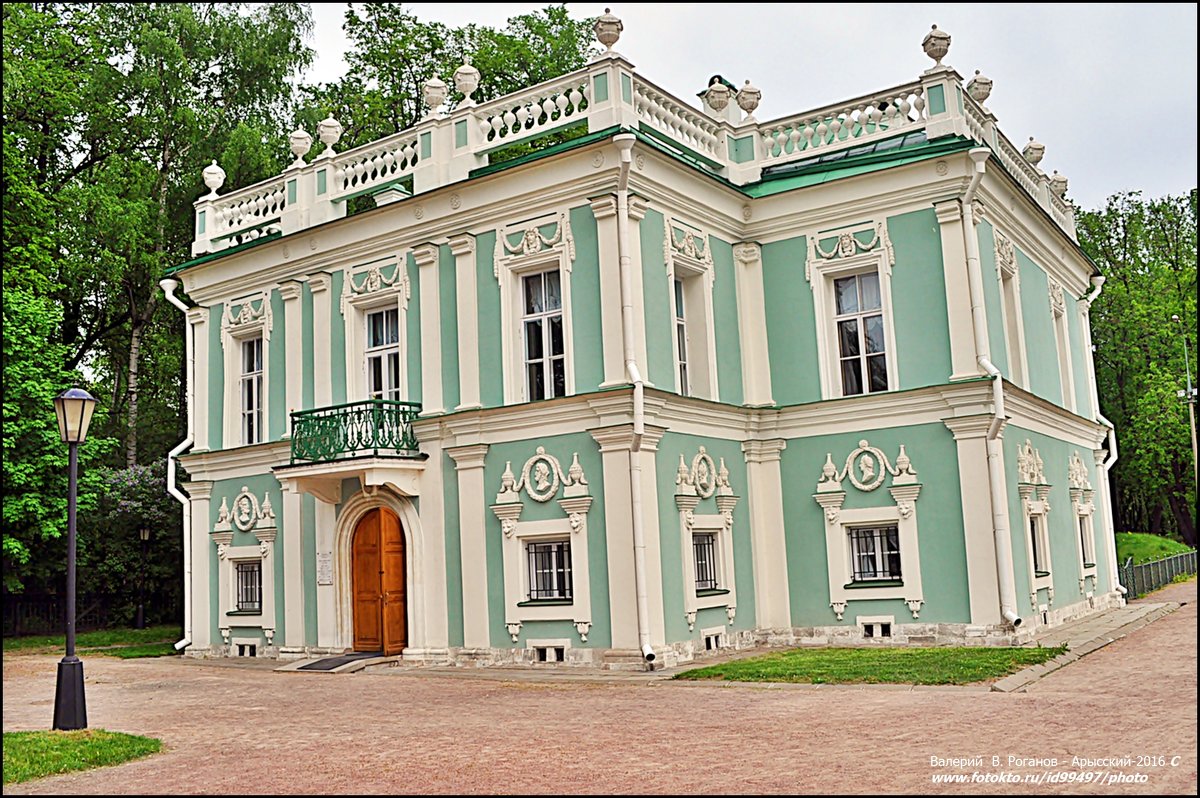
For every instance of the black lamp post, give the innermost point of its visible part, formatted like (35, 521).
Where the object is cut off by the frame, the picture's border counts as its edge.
(74, 409)
(140, 623)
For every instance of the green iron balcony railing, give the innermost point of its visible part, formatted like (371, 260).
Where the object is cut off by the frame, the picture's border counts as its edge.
(374, 427)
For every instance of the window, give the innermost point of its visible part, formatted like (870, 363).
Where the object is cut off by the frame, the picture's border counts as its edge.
(875, 553)
(1041, 566)
(252, 389)
(681, 337)
(545, 351)
(383, 354)
(862, 350)
(549, 570)
(1085, 541)
(704, 551)
(249, 586)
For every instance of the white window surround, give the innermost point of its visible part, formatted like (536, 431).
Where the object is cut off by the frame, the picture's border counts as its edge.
(533, 252)
(366, 290)
(1008, 277)
(702, 480)
(719, 633)
(877, 621)
(253, 320)
(1062, 338)
(562, 642)
(687, 255)
(850, 256)
(873, 466)
(1084, 515)
(541, 478)
(247, 515)
(1035, 506)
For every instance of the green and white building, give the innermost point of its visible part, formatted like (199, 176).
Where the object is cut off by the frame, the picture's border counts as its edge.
(685, 380)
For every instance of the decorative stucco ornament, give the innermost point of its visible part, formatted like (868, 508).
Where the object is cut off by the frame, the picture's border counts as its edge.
(608, 29)
(466, 80)
(747, 99)
(1077, 475)
(936, 44)
(435, 91)
(300, 142)
(214, 178)
(718, 95)
(979, 87)
(1034, 151)
(329, 130)
(1029, 465)
(1058, 185)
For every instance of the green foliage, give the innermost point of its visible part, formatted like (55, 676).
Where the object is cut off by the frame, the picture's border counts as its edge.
(878, 665)
(34, 755)
(1147, 251)
(141, 652)
(1146, 548)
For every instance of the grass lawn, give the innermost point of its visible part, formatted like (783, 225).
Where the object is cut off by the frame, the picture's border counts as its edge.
(138, 652)
(32, 755)
(1144, 548)
(878, 665)
(104, 638)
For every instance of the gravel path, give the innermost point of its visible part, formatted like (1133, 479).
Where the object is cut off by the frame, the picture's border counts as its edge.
(237, 730)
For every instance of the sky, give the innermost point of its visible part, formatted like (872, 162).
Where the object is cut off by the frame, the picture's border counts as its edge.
(1110, 89)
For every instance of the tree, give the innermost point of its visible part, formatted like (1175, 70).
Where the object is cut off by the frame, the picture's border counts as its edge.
(1147, 250)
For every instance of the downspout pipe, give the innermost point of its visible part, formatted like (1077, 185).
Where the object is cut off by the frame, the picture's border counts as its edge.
(624, 143)
(169, 286)
(1000, 532)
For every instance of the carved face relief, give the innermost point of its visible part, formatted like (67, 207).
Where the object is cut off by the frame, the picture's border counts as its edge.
(846, 245)
(243, 510)
(867, 466)
(541, 475)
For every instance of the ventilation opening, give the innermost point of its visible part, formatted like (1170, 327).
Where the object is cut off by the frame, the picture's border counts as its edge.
(550, 653)
(247, 650)
(885, 630)
(1045, 618)
(713, 642)
(868, 630)
(873, 631)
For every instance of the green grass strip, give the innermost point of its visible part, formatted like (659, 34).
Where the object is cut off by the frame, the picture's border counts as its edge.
(98, 639)
(878, 665)
(139, 652)
(1144, 547)
(34, 755)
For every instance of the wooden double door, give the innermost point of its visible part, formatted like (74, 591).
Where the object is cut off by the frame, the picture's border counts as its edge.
(380, 605)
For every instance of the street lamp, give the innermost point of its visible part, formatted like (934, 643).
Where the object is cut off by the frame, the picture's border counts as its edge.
(1189, 396)
(140, 623)
(74, 408)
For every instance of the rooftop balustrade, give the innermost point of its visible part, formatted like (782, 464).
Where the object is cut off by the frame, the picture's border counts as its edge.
(722, 137)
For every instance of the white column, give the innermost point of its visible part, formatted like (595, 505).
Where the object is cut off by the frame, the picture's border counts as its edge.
(1106, 525)
(637, 212)
(291, 291)
(472, 504)
(958, 295)
(293, 566)
(202, 548)
(983, 587)
(197, 318)
(322, 378)
(328, 634)
(604, 209)
(768, 544)
(426, 257)
(463, 248)
(752, 325)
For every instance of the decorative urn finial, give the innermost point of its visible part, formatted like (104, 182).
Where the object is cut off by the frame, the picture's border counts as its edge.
(1058, 185)
(1034, 151)
(466, 80)
(214, 177)
(747, 99)
(936, 44)
(979, 87)
(329, 130)
(435, 93)
(300, 143)
(608, 29)
(717, 95)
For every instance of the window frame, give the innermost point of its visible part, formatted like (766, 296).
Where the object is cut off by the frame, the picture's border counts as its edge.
(528, 546)
(544, 318)
(236, 331)
(238, 570)
(1008, 276)
(362, 297)
(383, 353)
(692, 265)
(1062, 341)
(1036, 512)
(859, 316)
(250, 418)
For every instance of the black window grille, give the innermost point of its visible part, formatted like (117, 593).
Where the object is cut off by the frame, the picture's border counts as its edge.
(249, 586)
(705, 551)
(550, 570)
(876, 552)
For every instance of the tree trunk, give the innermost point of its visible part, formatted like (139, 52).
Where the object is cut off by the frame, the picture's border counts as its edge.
(1183, 517)
(1156, 519)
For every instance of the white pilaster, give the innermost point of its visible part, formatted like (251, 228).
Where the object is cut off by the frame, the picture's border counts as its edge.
(322, 377)
(958, 295)
(426, 257)
(463, 248)
(983, 587)
(198, 318)
(604, 209)
(469, 462)
(637, 212)
(328, 635)
(752, 325)
(202, 548)
(768, 544)
(291, 291)
(293, 567)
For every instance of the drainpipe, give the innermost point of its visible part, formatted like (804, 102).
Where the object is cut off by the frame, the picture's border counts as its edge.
(624, 142)
(169, 286)
(1109, 462)
(1002, 538)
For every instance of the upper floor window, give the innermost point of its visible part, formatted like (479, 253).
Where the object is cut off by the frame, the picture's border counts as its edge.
(861, 343)
(1038, 545)
(383, 354)
(542, 325)
(252, 389)
(681, 337)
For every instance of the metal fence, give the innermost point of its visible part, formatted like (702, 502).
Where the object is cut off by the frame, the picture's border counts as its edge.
(41, 613)
(1150, 576)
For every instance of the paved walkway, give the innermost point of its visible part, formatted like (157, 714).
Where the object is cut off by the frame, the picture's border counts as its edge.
(252, 730)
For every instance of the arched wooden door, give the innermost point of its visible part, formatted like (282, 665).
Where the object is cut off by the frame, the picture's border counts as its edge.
(380, 606)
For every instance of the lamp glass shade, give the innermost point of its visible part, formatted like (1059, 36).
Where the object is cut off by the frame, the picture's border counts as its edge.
(74, 408)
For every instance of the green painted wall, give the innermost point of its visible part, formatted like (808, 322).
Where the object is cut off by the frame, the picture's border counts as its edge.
(448, 306)
(277, 410)
(454, 595)
(587, 337)
(670, 448)
(413, 332)
(791, 331)
(562, 447)
(940, 532)
(727, 331)
(1079, 369)
(487, 293)
(216, 379)
(919, 300)
(660, 366)
(1041, 347)
(997, 340)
